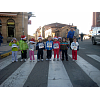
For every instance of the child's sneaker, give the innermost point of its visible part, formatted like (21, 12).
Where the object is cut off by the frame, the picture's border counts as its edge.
(54, 59)
(33, 60)
(73, 60)
(57, 59)
(38, 60)
(21, 60)
(30, 60)
(16, 60)
(25, 60)
(50, 59)
(41, 59)
(47, 59)
(12, 61)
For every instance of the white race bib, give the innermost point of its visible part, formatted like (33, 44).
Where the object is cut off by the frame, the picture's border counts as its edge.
(41, 45)
(56, 46)
(49, 45)
(14, 46)
(75, 47)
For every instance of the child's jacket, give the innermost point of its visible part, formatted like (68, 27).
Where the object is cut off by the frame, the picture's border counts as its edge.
(64, 45)
(23, 45)
(56, 45)
(40, 46)
(14, 46)
(49, 45)
(31, 47)
(74, 45)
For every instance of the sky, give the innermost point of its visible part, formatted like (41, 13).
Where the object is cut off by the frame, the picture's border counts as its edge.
(83, 20)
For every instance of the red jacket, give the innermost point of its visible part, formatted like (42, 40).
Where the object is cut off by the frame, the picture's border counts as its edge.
(56, 45)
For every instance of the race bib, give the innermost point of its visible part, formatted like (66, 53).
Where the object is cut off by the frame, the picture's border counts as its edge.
(49, 45)
(41, 45)
(56, 46)
(14, 46)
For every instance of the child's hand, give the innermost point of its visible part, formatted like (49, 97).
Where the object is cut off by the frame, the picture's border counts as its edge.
(36, 50)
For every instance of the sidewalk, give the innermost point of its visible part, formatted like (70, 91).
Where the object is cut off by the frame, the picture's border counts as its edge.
(5, 50)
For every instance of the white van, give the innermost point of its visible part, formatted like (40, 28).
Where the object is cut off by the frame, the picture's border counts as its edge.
(96, 35)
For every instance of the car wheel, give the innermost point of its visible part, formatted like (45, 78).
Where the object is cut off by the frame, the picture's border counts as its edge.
(93, 41)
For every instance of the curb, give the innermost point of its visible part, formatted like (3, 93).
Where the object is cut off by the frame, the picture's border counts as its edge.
(6, 54)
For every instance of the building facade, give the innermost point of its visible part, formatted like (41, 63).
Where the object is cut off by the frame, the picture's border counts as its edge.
(13, 24)
(96, 19)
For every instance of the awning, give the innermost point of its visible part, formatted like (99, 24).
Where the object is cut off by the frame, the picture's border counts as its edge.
(8, 14)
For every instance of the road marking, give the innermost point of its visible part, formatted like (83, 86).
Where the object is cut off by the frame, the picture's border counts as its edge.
(95, 57)
(81, 47)
(19, 77)
(7, 61)
(57, 75)
(89, 69)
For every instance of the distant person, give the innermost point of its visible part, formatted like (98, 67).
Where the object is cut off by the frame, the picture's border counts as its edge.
(14, 43)
(81, 36)
(31, 49)
(76, 34)
(74, 46)
(70, 36)
(1, 38)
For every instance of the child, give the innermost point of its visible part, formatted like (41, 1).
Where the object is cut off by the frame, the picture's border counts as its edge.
(31, 49)
(14, 43)
(60, 52)
(56, 48)
(49, 47)
(64, 47)
(40, 46)
(23, 47)
(74, 46)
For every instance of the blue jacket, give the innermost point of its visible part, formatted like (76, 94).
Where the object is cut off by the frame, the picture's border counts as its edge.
(70, 34)
(49, 45)
(1, 39)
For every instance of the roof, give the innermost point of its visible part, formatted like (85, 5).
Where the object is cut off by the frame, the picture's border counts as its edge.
(7, 14)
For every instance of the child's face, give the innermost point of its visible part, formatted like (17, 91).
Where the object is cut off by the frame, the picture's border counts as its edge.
(74, 40)
(24, 39)
(59, 40)
(14, 41)
(64, 40)
(40, 40)
(55, 40)
(49, 39)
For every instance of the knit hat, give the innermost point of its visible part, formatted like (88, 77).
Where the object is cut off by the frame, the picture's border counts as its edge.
(14, 39)
(32, 40)
(23, 37)
(40, 37)
(55, 37)
(59, 37)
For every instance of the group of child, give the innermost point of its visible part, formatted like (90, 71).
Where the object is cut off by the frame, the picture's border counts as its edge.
(59, 46)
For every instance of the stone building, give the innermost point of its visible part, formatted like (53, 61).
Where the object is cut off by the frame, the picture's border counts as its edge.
(56, 29)
(96, 19)
(12, 24)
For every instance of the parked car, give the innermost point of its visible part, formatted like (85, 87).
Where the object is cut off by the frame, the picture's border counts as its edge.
(96, 35)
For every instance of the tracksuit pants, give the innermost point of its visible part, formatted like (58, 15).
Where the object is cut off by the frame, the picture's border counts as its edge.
(40, 53)
(49, 53)
(56, 51)
(24, 54)
(74, 54)
(14, 55)
(31, 53)
(64, 52)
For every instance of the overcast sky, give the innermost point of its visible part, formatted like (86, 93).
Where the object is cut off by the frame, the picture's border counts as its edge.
(83, 20)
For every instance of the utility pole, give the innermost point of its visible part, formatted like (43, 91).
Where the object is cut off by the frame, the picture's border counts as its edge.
(23, 23)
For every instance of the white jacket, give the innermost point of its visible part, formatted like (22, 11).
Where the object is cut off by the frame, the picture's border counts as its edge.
(74, 45)
(31, 46)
